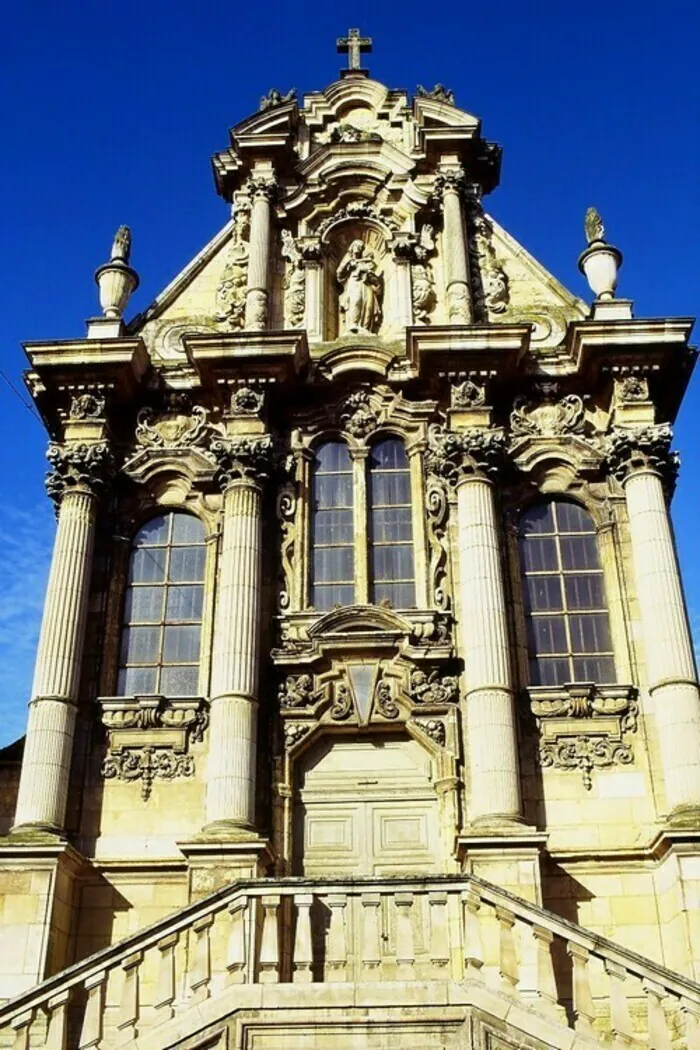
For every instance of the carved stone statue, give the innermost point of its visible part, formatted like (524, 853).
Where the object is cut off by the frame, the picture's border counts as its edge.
(440, 93)
(593, 224)
(294, 282)
(423, 292)
(230, 294)
(276, 98)
(121, 246)
(361, 297)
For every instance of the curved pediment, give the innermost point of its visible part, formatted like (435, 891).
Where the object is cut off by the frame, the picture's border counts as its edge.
(360, 618)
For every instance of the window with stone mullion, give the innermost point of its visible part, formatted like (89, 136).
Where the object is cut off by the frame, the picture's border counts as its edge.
(332, 528)
(567, 618)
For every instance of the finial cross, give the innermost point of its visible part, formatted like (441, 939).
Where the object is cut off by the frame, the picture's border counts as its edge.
(353, 45)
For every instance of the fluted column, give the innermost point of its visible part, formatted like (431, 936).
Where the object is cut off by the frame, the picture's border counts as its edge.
(231, 773)
(469, 459)
(450, 185)
(312, 254)
(257, 291)
(78, 473)
(642, 461)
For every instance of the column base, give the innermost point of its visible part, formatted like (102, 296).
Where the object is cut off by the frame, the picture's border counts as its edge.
(507, 854)
(216, 858)
(685, 817)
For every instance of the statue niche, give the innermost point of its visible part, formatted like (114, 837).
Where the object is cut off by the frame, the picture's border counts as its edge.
(360, 301)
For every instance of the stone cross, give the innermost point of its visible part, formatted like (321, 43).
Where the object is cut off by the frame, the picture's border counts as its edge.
(353, 45)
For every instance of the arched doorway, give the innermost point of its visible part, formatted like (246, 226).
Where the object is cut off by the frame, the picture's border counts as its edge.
(366, 805)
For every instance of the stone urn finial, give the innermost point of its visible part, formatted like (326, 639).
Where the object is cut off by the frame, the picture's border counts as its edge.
(600, 261)
(116, 279)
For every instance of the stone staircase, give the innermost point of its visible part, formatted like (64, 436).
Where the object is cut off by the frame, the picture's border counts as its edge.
(378, 955)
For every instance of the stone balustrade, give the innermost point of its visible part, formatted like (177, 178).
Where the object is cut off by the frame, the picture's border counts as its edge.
(363, 931)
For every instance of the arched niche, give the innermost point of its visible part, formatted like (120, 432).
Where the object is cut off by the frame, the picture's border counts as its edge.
(339, 239)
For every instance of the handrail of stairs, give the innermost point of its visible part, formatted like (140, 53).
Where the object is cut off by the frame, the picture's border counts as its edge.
(300, 930)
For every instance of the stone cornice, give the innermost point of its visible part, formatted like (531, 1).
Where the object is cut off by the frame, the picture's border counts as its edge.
(499, 348)
(219, 356)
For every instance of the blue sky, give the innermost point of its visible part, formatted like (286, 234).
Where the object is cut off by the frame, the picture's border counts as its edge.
(111, 112)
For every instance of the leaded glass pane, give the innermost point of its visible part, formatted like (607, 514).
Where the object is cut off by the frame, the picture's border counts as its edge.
(543, 594)
(572, 518)
(181, 644)
(187, 530)
(333, 490)
(590, 633)
(585, 592)
(144, 604)
(332, 526)
(135, 681)
(594, 669)
(328, 596)
(550, 671)
(578, 552)
(333, 564)
(400, 595)
(333, 457)
(539, 518)
(390, 490)
(179, 681)
(148, 565)
(140, 645)
(185, 602)
(153, 532)
(540, 554)
(186, 563)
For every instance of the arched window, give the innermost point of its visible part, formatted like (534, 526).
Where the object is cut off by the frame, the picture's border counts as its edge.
(162, 622)
(332, 527)
(392, 577)
(568, 627)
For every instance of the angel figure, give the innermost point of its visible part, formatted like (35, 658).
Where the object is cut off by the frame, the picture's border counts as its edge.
(595, 231)
(360, 300)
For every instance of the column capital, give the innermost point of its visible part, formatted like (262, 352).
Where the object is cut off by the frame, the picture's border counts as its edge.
(457, 456)
(263, 187)
(449, 180)
(630, 450)
(242, 459)
(81, 467)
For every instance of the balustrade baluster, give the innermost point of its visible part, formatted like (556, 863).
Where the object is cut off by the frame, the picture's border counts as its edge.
(473, 948)
(129, 1003)
(236, 953)
(21, 1026)
(337, 948)
(584, 1010)
(544, 969)
(57, 1030)
(303, 946)
(405, 953)
(659, 1035)
(200, 968)
(690, 1012)
(620, 1020)
(439, 940)
(507, 957)
(269, 962)
(371, 930)
(91, 1030)
(165, 982)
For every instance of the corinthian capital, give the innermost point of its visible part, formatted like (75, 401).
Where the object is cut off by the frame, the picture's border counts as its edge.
(78, 468)
(239, 459)
(454, 456)
(629, 449)
(262, 187)
(449, 179)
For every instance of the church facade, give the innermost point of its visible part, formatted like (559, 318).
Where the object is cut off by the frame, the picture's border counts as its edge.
(365, 709)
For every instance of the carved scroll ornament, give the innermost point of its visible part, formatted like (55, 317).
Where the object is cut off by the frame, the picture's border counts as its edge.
(547, 417)
(433, 688)
(357, 416)
(179, 427)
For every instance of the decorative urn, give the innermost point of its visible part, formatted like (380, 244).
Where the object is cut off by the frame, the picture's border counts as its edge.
(115, 279)
(600, 261)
